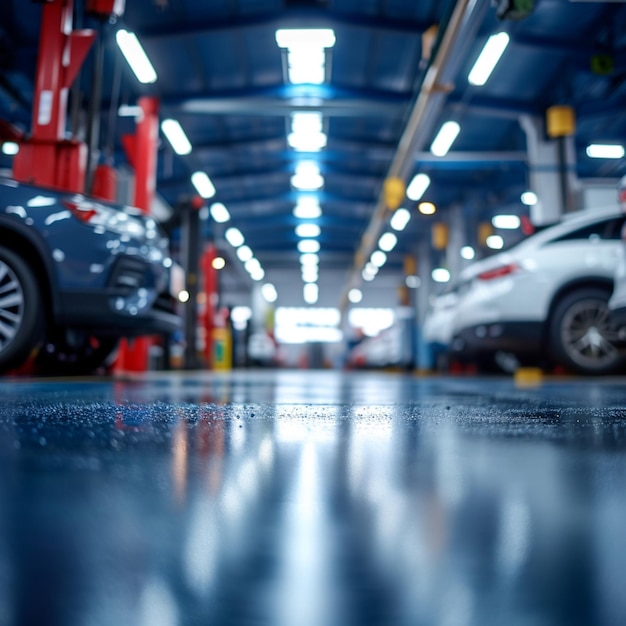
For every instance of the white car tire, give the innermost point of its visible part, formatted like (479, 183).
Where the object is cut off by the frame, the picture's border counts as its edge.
(580, 335)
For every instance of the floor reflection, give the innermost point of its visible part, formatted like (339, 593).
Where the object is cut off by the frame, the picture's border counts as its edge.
(316, 499)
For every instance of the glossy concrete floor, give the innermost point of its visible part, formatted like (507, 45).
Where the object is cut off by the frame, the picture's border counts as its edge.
(312, 499)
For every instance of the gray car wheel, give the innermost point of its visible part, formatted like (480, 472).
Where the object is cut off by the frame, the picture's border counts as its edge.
(581, 336)
(21, 319)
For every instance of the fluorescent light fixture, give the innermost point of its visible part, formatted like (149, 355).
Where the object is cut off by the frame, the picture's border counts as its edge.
(529, 198)
(387, 242)
(176, 136)
(311, 142)
(368, 275)
(258, 274)
(309, 259)
(310, 275)
(244, 253)
(445, 138)
(10, 147)
(355, 295)
(426, 208)
(268, 291)
(252, 265)
(311, 293)
(306, 122)
(468, 253)
(135, 56)
(440, 275)
(303, 37)
(508, 222)
(378, 258)
(308, 245)
(400, 219)
(218, 263)
(488, 59)
(234, 237)
(219, 213)
(307, 209)
(308, 230)
(605, 151)
(370, 268)
(418, 186)
(413, 282)
(129, 110)
(203, 184)
(495, 242)
(307, 176)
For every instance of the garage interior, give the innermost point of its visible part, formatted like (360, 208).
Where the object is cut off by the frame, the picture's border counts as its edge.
(292, 448)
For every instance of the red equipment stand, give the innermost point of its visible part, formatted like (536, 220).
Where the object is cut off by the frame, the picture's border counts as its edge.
(47, 158)
(141, 150)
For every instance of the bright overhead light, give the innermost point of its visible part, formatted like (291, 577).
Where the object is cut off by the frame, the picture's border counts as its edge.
(244, 253)
(10, 148)
(135, 56)
(370, 268)
(495, 242)
(426, 208)
(258, 274)
(268, 291)
(310, 142)
(203, 184)
(488, 59)
(368, 275)
(311, 293)
(355, 295)
(387, 242)
(252, 265)
(219, 213)
(234, 237)
(183, 296)
(308, 230)
(129, 110)
(308, 245)
(218, 263)
(307, 210)
(309, 259)
(176, 136)
(529, 198)
(306, 122)
(440, 275)
(400, 219)
(378, 258)
(605, 151)
(510, 222)
(307, 176)
(418, 186)
(445, 138)
(310, 275)
(303, 37)
(413, 282)
(468, 253)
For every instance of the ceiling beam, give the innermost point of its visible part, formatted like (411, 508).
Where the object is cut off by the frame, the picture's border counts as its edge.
(286, 18)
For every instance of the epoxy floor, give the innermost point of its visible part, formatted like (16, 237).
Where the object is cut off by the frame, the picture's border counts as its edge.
(312, 499)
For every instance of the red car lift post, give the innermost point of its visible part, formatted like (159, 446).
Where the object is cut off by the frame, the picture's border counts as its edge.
(47, 158)
(141, 149)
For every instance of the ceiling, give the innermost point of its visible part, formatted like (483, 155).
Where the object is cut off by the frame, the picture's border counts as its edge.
(223, 77)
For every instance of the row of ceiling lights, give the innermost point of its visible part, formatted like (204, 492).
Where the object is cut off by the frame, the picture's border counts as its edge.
(306, 64)
(176, 136)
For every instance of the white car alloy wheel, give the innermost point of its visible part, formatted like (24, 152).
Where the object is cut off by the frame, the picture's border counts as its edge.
(582, 335)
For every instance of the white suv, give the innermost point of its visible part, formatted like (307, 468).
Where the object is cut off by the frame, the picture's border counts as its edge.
(545, 297)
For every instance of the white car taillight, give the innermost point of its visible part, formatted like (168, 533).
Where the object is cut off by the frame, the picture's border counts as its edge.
(499, 272)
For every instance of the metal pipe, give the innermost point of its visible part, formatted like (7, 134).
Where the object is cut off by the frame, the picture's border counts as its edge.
(464, 22)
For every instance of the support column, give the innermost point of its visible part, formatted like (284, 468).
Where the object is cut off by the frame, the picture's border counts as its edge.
(552, 173)
(425, 359)
(190, 246)
(456, 240)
